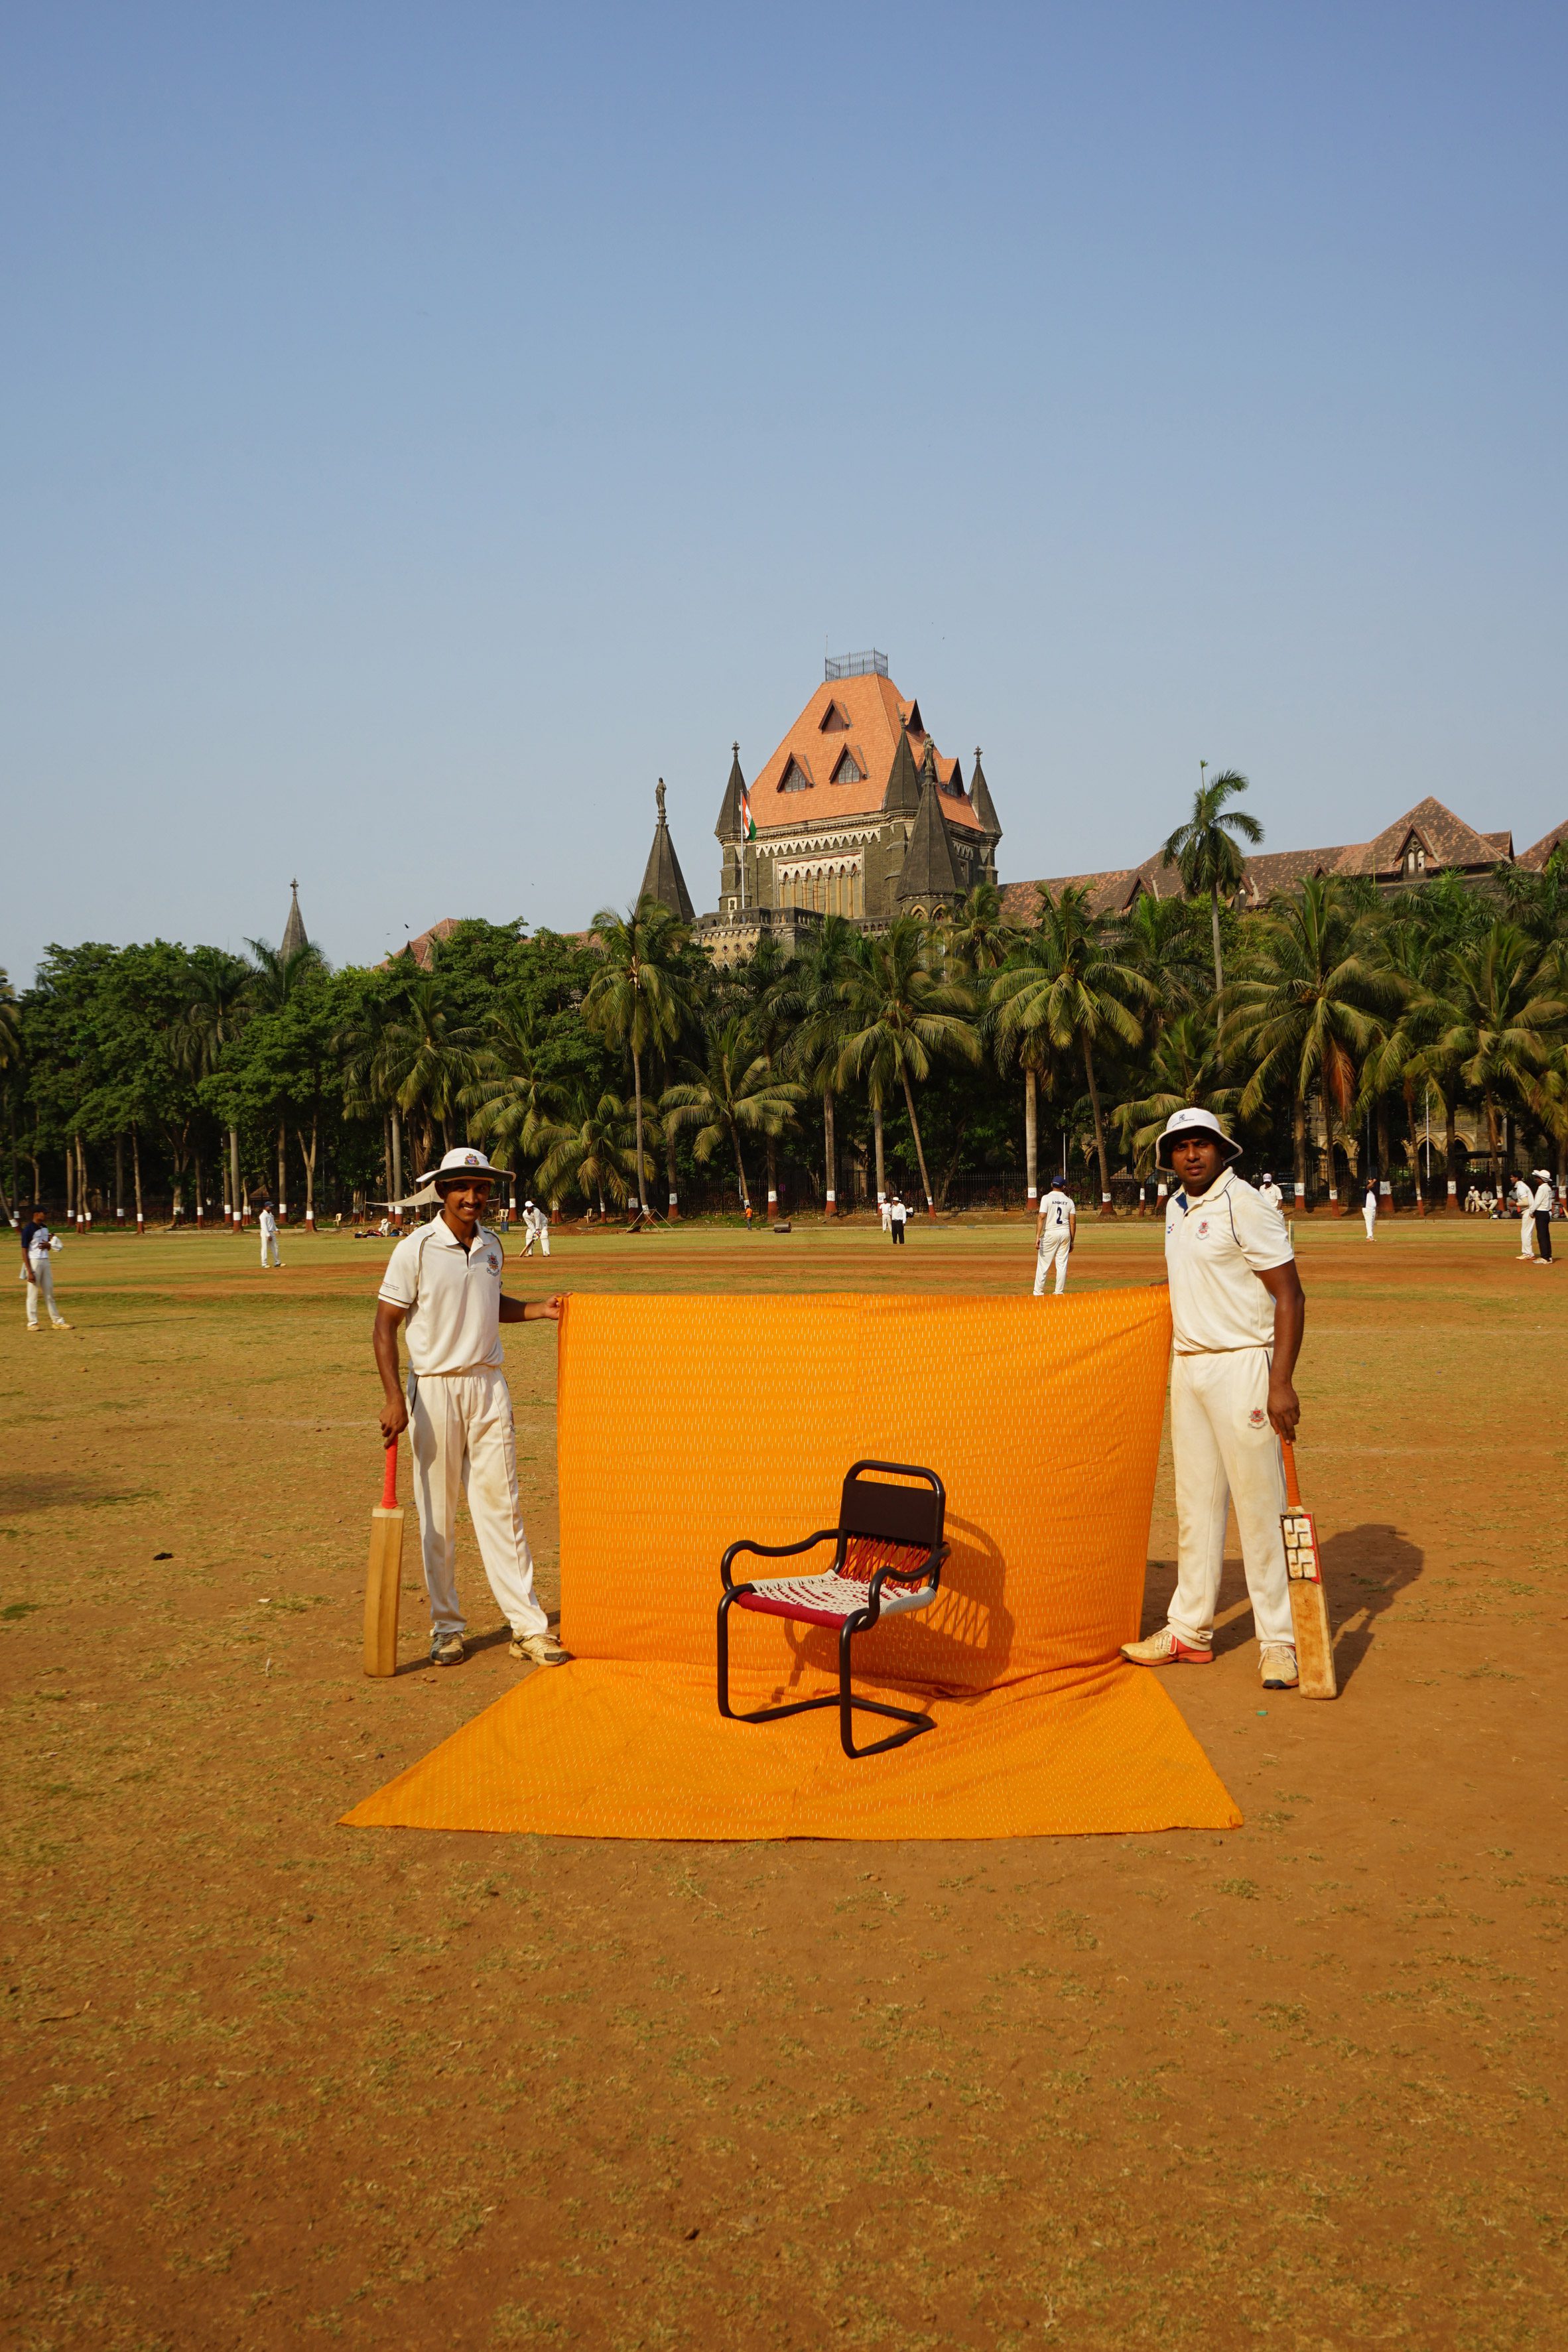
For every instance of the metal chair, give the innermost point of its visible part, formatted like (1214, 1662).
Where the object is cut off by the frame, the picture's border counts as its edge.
(887, 1559)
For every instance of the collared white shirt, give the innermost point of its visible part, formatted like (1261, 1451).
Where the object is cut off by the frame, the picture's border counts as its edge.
(1056, 1209)
(267, 1221)
(1215, 1248)
(452, 1297)
(1272, 1193)
(1543, 1200)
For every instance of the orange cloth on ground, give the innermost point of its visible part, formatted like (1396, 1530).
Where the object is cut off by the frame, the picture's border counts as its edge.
(685, 1423)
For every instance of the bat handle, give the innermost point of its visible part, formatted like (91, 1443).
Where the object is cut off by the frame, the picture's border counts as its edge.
(1292, 1492)
(389, 1484)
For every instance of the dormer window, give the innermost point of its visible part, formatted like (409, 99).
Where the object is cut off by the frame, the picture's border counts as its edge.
(848, 770)
(834, 719)
(796, 779)
(1415, 860)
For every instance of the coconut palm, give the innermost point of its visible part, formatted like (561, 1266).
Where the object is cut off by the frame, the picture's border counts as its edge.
(425, 1059)
(817, 973)
(975, 935)
(510, 1101)
(1204, 852)
(731, 1093)
(1499, 1026)
(1071, 989)
(1307, 1005)
(900, 1018)
(585, 1151)
(639, 998)
(1183, 1067)
(214, 1015)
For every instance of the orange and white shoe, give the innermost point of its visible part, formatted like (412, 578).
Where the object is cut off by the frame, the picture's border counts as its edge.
(1162, 1649)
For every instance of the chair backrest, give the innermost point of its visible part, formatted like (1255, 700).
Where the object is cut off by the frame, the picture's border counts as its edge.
(892, 1514)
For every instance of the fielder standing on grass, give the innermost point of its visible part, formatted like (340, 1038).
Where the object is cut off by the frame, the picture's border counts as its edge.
(37, 1272)
(1237, 1311)
(1055, 1230)
(443, 1284)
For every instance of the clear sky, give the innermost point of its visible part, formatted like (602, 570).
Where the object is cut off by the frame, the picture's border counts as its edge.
(423, 427)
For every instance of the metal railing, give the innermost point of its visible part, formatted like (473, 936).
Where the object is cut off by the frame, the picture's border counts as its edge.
(868, 664)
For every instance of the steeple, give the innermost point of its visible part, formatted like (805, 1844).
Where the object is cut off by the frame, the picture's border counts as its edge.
(662, 878)
(928, 872)
(980, 797)
(294, 928)
(902, 797)
(729, 826)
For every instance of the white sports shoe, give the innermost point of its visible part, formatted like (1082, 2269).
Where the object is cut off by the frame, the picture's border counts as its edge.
(1277, 1665)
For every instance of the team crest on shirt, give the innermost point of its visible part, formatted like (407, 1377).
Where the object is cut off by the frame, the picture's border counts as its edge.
(493, 1263)
(1205, 1227)
(1257, 1416)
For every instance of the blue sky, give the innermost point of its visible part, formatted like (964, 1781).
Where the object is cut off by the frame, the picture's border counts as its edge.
(421, 428)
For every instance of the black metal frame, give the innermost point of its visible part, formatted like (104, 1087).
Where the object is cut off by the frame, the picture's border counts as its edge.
(862, 1620)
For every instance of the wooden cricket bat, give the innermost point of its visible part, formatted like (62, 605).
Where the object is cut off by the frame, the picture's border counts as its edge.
(1308, 1608)
(383, 1576)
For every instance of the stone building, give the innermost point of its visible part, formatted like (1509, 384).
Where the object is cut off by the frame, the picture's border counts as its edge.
(855, 813)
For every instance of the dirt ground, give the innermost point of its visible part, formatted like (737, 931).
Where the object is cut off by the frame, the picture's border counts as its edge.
(1298, 2085)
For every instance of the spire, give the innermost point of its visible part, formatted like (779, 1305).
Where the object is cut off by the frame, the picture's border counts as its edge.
(929, 872)
(980, 798)
(662, 878)
(294, 928)
(902, 797)
(729, 826)
(928, 765)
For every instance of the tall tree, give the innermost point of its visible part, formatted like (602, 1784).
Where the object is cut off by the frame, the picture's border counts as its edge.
(585, 1151)
(732, 1093)
(1075, 990)
(902, 1016)
(510, 1101)
(1500, 1025)
(1204, 850)
(640, 998)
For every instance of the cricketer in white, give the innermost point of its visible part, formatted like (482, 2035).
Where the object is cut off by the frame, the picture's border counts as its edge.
(443, 1285)
(1237, 1312)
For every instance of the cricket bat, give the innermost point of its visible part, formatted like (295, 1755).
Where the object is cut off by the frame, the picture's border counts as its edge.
(1308, 1608)
(384, 1575)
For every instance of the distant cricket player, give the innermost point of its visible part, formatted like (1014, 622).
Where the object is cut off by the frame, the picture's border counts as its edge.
(1056, 1231)
(1238, 1310)
(271, 1254)
(443, 1284)
(36, 1245)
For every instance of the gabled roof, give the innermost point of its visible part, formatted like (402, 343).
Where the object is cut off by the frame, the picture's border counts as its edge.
(422, 946)
(1447, 839)
(877, 716)
(928, 871)
(1536, 855)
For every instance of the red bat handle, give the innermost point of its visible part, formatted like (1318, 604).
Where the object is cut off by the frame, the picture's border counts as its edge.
(1292, 1492)
(389, 1484)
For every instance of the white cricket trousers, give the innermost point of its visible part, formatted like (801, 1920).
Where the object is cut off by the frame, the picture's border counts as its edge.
(1051, 1254)
(1225, 1451)
(459, 1425)
(41, 1287)
(271, 1254)
(1526, 1233)
(1369, 1219)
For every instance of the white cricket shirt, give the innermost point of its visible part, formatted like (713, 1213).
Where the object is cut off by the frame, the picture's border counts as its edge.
(1215, 1248)
(1058, 1211)
(452, 1296)
(1543, 1202)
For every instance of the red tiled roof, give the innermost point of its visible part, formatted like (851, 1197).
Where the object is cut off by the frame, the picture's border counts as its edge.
(1536, 855)
(1447, 839)
(875, 710)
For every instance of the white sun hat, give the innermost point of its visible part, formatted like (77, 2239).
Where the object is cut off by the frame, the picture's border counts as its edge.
(462, 1162)
(1197, 1123)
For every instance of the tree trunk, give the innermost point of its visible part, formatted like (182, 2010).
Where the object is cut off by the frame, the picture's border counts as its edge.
(1298, 1149)
(118, 1177)
(1384, 1154)
(1213, 924)
(196, 1161)
(876, 1135)
(1106, 1210)
(1333, 1173)
(674, 1202)
(920, 1147)
(136, 1174)
(1031, 1136)
(637, 1085)
(282, 1174)
(84, 1214)
(1450, 1154)
(1494, 1155)
(70, 1185)
(741, 1172)
(310, 1159)
(397, 1161)
(234, 1192)
(772, 1165)
(830, 1151)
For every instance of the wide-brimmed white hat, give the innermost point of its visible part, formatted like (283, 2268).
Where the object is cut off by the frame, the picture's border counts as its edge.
(464, 1162)
(1194, 1122)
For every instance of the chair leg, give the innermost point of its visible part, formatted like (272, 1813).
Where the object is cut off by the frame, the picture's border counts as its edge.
(915, 1724)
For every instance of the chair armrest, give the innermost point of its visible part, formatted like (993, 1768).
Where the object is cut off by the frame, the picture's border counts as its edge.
(930, 1574)
(774, 1552)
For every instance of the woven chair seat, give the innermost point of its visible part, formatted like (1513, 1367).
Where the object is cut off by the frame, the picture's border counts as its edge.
(829, 1599)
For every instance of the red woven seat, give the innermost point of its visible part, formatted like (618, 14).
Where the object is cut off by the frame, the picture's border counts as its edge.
(887, 1559)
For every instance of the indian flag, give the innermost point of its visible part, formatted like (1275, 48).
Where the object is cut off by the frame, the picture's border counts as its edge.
(748, 826)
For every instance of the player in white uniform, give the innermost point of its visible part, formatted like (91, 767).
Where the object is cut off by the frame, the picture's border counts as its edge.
(1369, 1208)
(1237, 1311)
(268, 1224)
(536, 1225)
(1523, 1200)
(1541, 1204)
(37, 1271)
(1269, 1191)
(1055, 1230)
(443, 1284)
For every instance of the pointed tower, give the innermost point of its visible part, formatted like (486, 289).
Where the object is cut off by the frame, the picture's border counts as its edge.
(728, 827)
(980, 798)
(294, 928)
(662, 878)
(902, 797)
(928, 873)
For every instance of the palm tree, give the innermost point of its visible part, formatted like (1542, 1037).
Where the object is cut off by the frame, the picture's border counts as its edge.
(1203, 850)
(1500, 1025)
(215, 1014)
(277, 976)
(1073, 989)
(510, 1101)
(425, 1059)
(817, 971)
(1184, 1066)
(1307, 1006)
(640, 998)
(586, 1150)
(1030, 1049)
(731, 1093)
(976, 937)
(900, 1017)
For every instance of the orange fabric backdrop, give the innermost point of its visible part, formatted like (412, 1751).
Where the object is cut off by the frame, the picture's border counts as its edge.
(686, 1422)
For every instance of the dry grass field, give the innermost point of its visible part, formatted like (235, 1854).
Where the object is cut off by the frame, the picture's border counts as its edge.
(268, 2080)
